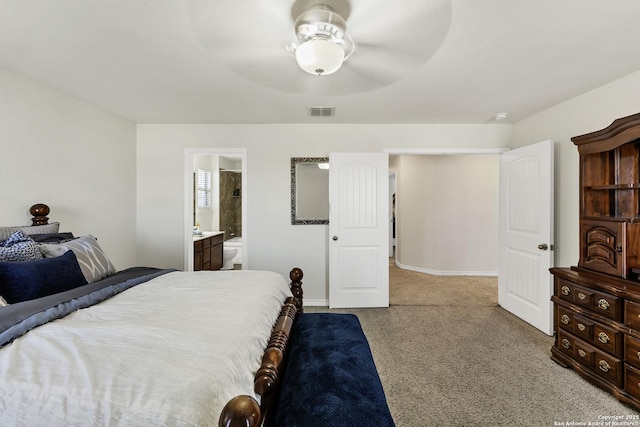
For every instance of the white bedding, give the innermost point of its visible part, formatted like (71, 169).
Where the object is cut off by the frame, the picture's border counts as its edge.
(168, 352)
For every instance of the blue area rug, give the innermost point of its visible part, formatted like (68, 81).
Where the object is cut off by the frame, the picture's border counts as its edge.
(330, 379)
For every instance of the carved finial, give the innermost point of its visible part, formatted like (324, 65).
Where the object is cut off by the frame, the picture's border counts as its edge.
(296, 287)
(241, 411)
(39, 212)
(296, 274)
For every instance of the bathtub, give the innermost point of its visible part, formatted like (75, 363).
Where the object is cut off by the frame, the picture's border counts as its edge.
(236, 243)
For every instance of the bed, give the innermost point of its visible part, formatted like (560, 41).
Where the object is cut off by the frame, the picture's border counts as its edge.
(81, 344)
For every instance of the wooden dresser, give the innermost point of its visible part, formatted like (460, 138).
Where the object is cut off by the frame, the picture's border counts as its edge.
(597, 302)
(207, 252)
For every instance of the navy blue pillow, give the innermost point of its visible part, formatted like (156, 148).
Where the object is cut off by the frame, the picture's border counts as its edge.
(22, 281)
(52, 237)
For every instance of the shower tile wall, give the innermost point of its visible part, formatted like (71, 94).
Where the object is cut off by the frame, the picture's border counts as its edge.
(230, 204)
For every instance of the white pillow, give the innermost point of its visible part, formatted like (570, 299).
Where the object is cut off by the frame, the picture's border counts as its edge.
(3, 302)
(93, 261)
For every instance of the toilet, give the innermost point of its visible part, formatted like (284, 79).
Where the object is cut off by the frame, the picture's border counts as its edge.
(227, 258)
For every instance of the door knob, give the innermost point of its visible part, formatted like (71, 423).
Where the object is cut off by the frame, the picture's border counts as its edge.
(335, 237)
(543, 246)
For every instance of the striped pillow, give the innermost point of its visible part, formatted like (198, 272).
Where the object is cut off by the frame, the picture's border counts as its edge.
(93, 261)
(5, 232)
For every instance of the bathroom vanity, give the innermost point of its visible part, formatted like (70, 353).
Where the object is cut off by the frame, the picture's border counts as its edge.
(207, 250)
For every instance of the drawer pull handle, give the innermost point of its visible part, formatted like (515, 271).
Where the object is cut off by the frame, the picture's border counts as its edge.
(603, 304)
(581, 327)
(604, 366)
(565, 290)
(581, 296)
(566, 344)
(565, 319)
(582, 353)
(638, 355)
(603, 338)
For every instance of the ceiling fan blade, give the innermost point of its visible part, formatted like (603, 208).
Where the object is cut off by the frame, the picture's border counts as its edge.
(243, 25)
(407, 38)
(386, 19)
(250, 38)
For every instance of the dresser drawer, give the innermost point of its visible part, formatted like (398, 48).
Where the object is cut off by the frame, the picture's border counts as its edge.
(584, 354)
(601, 363)
(609, 367)
(591, 331)
(601, 303)
(632, 381)
(607, 305)
(608, 339)
(565, 289)
(583, 296)
(566, 344)
(632, 314)
(583, 327)
(632, 351)
(574, 323)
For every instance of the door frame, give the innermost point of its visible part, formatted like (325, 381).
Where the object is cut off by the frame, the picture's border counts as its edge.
(393, 187)
(189, 157)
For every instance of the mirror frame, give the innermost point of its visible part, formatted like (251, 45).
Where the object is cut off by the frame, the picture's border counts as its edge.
(294, 217)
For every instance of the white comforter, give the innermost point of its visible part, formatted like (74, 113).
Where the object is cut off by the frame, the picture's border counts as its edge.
(168, 352)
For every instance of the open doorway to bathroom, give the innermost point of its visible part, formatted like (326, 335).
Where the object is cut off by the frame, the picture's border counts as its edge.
(215, 202)
(230, 211)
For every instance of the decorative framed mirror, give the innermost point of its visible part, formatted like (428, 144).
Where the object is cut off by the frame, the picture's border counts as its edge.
(309, 190)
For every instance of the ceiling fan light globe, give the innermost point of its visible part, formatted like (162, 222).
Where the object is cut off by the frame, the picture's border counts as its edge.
(319, 56)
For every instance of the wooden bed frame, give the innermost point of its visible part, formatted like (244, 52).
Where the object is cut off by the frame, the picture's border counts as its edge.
(244, 410)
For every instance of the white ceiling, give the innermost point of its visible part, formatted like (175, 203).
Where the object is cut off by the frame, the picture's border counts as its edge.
(172, 61)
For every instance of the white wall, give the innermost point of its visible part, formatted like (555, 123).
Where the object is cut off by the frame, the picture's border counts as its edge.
(273, 243)
(73, 156)
(82, 161)
(586, 113)
(447, 214)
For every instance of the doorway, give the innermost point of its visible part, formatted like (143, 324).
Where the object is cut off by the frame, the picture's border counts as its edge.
(227, 211)
(506, 284)
(446, 211)
(392, 213)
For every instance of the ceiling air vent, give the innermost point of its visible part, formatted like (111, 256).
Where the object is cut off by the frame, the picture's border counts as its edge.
(322, 111)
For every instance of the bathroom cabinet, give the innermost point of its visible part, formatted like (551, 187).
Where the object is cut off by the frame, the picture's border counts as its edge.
(207, 252)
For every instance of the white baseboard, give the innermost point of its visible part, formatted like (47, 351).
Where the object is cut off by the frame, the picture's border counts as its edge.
(315, 302)
(446, 273)
(325, 303)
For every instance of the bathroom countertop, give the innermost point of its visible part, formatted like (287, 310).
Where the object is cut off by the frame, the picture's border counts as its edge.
(206, 234)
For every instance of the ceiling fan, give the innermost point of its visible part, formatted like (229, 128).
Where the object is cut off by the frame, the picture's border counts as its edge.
(330, 47)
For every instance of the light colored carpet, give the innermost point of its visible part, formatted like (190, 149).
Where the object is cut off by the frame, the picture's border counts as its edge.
(448, 355)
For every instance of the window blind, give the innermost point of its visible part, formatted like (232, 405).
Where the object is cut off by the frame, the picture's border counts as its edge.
(203, 189)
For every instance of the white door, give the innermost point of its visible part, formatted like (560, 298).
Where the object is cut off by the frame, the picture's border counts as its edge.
(359, 230)
(525, 285)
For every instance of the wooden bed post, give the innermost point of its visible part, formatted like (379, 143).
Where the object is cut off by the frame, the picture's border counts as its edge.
(296, 287)
(241, 411)
(244, 411)
(39, 212)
